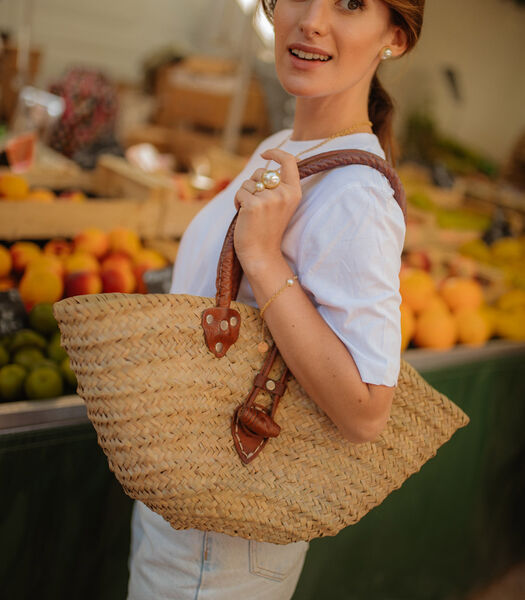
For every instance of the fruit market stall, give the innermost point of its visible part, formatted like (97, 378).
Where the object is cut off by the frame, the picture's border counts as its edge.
(67, 516)
(462, 324)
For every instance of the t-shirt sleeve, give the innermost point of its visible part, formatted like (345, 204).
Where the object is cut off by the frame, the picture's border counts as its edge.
(349, 266)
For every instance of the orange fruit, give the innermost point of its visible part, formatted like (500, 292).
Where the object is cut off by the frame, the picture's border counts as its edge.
(58, 247)
(474, 328)
(7, 283)
(435, 329)
(81, 261)
(461, 292)
(5, 261)
(416, 287)
(22, 253)
(124, 240)
(93, 241)
(13, 186)
(40, 285)
(408, 325)
(40, 195)
(437, 303)
(46, 262)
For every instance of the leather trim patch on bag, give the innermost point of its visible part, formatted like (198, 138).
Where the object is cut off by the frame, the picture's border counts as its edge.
(221, 329)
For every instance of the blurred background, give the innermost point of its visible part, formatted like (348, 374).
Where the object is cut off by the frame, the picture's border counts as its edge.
(119, 121)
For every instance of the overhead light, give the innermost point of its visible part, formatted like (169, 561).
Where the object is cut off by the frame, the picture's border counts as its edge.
(261, 23)
(247, 5)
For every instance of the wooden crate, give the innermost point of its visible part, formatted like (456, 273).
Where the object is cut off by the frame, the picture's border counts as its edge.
(198, 92)
(129, 198)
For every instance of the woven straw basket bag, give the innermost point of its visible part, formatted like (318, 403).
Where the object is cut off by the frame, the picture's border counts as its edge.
(184, 406)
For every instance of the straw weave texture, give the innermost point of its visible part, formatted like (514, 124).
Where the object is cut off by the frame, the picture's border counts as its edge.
(162, 406)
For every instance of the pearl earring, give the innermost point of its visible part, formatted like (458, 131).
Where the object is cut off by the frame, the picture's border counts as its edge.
(386, 53)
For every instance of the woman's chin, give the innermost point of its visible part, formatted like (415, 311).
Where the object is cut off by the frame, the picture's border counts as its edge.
(302, 89)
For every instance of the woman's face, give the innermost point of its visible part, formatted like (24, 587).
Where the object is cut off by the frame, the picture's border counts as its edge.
(325, 47)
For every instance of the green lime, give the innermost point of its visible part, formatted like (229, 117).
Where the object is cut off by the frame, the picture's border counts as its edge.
(27, 357)
(45, 362)
(4, 356)
(41, 318)
(43, 382)
(55, 350)
(11, 382)
(68, 374)
(25, 338)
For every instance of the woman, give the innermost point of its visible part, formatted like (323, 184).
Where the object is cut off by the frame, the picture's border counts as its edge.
(341, 232)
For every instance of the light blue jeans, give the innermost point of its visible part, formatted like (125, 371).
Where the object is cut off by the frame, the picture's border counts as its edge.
(166, 564)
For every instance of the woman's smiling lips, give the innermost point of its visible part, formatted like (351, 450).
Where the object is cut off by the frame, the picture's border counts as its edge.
(307, 57)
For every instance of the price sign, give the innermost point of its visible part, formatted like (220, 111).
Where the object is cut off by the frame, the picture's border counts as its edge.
(12, 312)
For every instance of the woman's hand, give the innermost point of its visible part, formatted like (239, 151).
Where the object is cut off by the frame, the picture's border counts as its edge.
(264, 216)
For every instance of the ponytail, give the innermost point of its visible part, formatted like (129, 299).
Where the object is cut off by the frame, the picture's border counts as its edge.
(381, 113)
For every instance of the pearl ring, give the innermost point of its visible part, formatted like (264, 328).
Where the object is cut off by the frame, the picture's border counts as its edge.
(271, 179)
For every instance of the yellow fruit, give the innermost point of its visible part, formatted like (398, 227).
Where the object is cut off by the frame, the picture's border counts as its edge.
(473, 327)
(512, 299)
(5, 262)
(511, 324)
(490, 314)
(40, 285)
(150, 259)
(461, 292)
(435, 329)
(506, 249)
(416, 287)
(13, 186)
(476, 249)
(408, 325)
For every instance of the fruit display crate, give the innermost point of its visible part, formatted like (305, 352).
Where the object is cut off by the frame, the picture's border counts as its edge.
(125, 197)
(34, 415)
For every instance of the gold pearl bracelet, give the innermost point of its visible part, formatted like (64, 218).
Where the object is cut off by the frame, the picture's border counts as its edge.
(263, 346)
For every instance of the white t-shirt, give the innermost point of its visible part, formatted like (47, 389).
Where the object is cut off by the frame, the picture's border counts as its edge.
(344, 242)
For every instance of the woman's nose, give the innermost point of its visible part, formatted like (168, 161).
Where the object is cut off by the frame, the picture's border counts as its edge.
(314, 18)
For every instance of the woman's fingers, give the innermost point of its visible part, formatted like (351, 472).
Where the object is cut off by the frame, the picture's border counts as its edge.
(288, 162)
(257, 174)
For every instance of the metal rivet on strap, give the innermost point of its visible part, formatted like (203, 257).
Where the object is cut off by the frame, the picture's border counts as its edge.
(233, 321)
(224, 325)
(270, 385)
(209, 319)
(218, 347)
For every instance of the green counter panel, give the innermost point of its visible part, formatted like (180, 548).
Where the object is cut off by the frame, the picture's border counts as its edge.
(453, 525)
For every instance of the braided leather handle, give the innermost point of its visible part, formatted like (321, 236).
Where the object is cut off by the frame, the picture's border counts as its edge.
(221, 324)
(229, 271)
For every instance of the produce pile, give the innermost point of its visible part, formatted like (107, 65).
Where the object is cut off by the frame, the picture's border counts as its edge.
(93, 262)
(15, 188)
(33, 364)
(462, 278)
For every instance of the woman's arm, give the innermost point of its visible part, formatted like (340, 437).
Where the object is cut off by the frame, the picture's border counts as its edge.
(315, 355)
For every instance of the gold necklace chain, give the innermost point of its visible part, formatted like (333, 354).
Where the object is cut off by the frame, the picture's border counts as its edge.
(347, 131)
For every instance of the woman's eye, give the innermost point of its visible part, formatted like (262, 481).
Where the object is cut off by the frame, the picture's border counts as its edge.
(352, 4)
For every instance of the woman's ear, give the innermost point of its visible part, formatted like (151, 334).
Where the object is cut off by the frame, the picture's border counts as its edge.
(398, 42)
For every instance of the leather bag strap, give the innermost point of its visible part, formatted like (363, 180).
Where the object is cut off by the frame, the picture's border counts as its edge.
(252, 424)
(221, 323)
